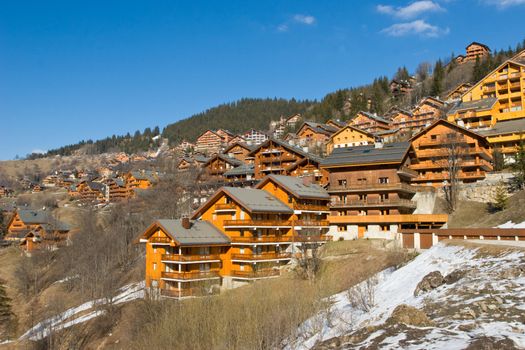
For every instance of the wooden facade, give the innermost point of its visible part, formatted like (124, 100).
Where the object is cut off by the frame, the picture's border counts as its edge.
(437, 146)
(370, 122)
(209, 142)
(349, 136)
(240, 152)
(475, 50)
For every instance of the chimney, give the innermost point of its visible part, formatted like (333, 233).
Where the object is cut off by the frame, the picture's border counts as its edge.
(186, 223)
(378, 144)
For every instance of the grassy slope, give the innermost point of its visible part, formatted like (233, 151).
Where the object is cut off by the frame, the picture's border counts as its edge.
(475, 214)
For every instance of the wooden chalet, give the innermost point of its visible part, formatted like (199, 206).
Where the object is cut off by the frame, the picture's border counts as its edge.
(91, 191)
(349, 136)
(371, 191)
(278, 157)
(475, 50)
(314, 134)
(239, 151)
(369, 122)
(32, 229)
(444, 144)
(217, 165)
(456, 93)
(209, 142)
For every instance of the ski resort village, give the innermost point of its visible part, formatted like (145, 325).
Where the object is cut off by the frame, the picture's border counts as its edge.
(385, 216)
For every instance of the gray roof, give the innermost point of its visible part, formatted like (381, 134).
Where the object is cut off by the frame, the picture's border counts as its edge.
(505, 127)
(485, 103)
(300, 190)
(290, 147)
(144, 175)
(230, 160)
(257, 200)
(322, 128)
(33, 216)
(42, 217)
(200, 158)
(200, 232)
(375, 117)
(240, 170)
(390, 152)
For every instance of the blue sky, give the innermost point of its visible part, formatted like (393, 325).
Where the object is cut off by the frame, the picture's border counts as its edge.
(72, 70)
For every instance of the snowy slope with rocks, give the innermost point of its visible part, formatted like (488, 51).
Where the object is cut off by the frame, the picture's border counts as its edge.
(473, 296)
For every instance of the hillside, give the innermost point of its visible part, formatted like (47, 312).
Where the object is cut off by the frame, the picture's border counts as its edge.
(464, 296)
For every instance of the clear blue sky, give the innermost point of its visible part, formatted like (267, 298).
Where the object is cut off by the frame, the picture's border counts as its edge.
(72, 70)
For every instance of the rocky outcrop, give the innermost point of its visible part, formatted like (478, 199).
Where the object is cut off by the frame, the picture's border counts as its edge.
(429, 282)
(409, 315)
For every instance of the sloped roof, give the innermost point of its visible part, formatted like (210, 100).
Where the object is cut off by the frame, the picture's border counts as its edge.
(353, 128)
(479, 105)
(296, 186)
(320, 128)
(256, 200)
(244, 169)
(287, 146)
(373, 116)
(476, 43)
(230, 160)
(33, 216)
(369, 154)
(505, 127)
(144, 175)
(241, 144)
(200, 232)
(450, 125)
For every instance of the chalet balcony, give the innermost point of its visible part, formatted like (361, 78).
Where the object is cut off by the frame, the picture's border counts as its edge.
(257, 223)
(160, 240)
(515, 85)
(190, 258)
(272, 169)
(503, 77)
(487, 89)
(443, 153)
(312, 223)
(375, 203)
(216, 171)
(310, 207)
(440, 141)
(503, 87)
(262, 239)
(515, 75)
(262, 257)
(272, 151)
(225, 207)
(190, 275)
(269, 273)
(406, 171)
(277, 159)
(358, 188)
(469, 175)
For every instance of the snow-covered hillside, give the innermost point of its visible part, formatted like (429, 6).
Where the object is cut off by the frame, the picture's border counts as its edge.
(486, 303)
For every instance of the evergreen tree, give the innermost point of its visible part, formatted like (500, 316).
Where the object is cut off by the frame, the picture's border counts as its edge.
(437, 79)
(500, 196)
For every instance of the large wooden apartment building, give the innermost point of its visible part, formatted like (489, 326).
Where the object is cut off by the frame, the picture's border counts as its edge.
(475, 50)
(238, 235)
(369, 122)
(349, 136)
(33, 229)
(497, 98)
(372, 193)
(445, 146)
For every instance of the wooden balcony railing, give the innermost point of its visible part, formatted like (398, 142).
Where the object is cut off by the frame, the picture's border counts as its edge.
(312, 238)
(256, 274)
(262, 239)
(277, 159)
(407, 171)
(314, 223)
(160, 240)
(225, 206)
(310, 207)
(262, 223)
(190, 258)
(190, 275)
(372, 187)
(374, 203)
(515, 75)
(261, 257)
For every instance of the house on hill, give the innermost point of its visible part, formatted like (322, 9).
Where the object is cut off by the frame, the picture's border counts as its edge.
(444, 146)
(239, 151)
(313, 134)
(349, 136)
(32, 229)
(217, 165)
(371, 192)
(475, 49)
(369, 122)
(255, 137)
(496, 98)
(456, 93)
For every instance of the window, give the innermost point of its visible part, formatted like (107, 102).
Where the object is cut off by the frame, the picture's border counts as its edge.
(383, 180)
(342, 182)
(154, 266)
(290, 199)
(433, 137)
(362, 197)
(154, 250)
